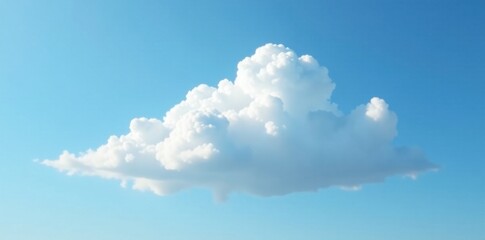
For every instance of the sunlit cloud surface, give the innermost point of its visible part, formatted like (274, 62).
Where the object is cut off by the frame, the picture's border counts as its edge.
(273, 130)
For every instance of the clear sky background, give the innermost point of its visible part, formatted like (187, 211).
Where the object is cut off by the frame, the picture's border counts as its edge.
(73, 73)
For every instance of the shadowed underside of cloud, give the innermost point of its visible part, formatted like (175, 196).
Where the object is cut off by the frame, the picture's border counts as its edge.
(271, 131)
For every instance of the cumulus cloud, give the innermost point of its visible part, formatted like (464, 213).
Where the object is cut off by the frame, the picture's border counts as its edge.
(271, 131)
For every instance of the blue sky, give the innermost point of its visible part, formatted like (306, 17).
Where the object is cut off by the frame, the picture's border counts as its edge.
(73, 73)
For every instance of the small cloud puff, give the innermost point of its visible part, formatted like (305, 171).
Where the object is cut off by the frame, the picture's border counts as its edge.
(271, 131)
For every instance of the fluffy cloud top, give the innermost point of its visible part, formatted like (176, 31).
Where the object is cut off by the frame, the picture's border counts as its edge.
(271, 131)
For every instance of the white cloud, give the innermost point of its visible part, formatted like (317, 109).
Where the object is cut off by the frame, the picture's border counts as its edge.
(271, 131)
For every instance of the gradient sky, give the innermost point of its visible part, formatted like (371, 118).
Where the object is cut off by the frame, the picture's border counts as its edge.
(73, 73)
